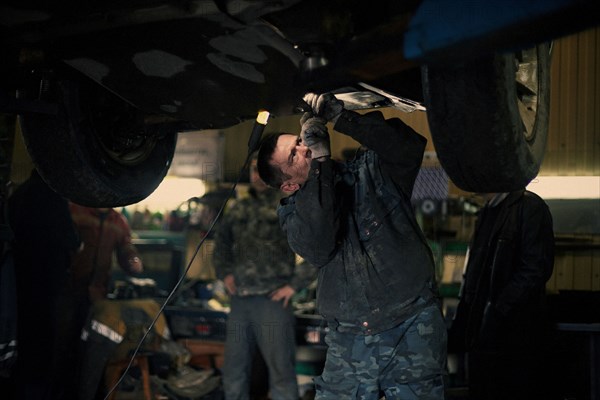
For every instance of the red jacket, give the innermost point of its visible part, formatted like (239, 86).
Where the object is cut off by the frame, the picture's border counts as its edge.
(104, 233)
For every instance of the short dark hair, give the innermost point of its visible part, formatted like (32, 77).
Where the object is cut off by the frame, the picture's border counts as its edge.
(270, 174)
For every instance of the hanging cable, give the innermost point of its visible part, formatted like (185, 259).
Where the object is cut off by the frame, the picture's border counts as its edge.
(253, 144)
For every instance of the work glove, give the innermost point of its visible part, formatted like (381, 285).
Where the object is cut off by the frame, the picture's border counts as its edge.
(315, 136)
(325, 106)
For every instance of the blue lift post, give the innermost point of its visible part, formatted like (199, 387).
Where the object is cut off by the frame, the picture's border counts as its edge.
(440, 28)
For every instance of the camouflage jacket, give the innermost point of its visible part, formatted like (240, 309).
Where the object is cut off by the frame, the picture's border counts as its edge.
(250, 244)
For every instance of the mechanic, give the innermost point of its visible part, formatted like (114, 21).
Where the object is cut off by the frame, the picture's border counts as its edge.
(260, 273)
(502, 320)
(104, 233)
(354, 220)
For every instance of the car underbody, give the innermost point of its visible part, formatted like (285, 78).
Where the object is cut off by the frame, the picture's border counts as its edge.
(103, 88)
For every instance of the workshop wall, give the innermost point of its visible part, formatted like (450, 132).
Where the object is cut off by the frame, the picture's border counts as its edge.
(574, 137)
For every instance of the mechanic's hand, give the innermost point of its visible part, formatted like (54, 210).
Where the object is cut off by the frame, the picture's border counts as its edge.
(229, 282)
(284, 293)
(315, 136)
(305, 117)
(325, 105)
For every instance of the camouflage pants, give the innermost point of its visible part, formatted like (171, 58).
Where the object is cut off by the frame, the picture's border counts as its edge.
(406, 362)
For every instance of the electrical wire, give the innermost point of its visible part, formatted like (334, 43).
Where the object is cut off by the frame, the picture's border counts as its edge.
(253, 143)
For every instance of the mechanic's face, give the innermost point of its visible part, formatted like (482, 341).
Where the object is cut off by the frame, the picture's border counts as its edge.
(293, 157)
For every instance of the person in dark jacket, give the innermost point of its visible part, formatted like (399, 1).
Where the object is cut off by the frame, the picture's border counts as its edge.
(376, 284)
(45, 241)
(501, 320)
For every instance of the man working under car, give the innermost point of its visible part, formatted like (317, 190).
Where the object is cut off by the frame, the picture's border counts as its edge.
(376, 279)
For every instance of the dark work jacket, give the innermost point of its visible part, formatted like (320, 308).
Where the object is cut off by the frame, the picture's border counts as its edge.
(503, 297)
(355, 222)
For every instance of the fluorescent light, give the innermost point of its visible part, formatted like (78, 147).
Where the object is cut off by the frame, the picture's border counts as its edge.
(171, 193)
(566, 187)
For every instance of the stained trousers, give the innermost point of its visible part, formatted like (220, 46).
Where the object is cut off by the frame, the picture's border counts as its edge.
(406, 362)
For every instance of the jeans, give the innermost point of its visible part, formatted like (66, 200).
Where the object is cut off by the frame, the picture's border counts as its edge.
(258, 323)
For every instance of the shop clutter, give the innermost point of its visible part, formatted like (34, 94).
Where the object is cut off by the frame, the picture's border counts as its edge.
(159, 366)
(183, 355)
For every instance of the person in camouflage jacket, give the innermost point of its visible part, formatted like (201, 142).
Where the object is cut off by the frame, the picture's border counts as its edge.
(254, 260)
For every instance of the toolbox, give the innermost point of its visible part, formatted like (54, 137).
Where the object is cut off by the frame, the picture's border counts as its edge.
(196, 323)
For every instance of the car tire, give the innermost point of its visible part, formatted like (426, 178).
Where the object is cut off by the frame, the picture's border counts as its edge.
(489, 118)
(97, 150)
